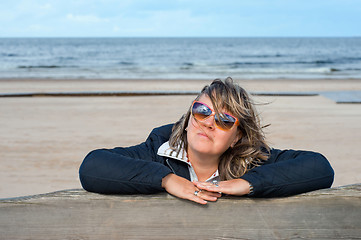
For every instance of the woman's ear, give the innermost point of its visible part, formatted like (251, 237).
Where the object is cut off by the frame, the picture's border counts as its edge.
(234, 142)
(236, 138)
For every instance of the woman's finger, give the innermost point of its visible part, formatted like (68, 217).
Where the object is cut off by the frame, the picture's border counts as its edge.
(203, 184)
(209, 187)
(196, 198)
(201, 196)
(208, 196)
(211, 194)
(238, 187)
(216, 194)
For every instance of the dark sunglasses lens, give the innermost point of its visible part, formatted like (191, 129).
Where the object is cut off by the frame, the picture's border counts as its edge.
(226, 122)
(200, 111)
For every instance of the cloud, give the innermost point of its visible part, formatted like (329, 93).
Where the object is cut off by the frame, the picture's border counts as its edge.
(126, 18)
(161, 23)
(85, 18)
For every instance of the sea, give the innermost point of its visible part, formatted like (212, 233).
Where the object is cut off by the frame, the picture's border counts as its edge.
(180, 58)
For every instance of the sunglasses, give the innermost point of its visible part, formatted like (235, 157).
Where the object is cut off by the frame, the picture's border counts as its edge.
(201, 111)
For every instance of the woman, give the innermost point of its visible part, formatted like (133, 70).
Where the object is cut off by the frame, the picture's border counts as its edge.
(217, 147)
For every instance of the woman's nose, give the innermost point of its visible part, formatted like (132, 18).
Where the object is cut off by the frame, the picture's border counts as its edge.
(209, 122)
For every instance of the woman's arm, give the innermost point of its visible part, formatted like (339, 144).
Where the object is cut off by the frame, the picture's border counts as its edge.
(286, 173)
(134, 169)
(290, 172)
(137, 169)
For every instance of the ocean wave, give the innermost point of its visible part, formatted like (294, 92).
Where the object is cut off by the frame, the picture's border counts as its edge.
(263, 70)
(261, 66)
(187, 65)
(277, 55)
(126, 63)
(353, 69)
(9, 55)
(66, 58)
(351, 58)
(239, 57)
(242, 64)
(306, 62)
(321, 62)
(264, 63)
(322, 70)
(43, 66)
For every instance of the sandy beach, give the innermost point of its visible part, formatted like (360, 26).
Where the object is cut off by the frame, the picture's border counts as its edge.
(44, 139)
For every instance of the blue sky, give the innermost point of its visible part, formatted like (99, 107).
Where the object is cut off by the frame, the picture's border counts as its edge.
(179, 18)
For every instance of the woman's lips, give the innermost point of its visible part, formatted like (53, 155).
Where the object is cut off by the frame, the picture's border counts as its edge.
(202, 134)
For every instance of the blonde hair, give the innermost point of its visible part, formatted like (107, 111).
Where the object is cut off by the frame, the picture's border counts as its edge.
(250, 150)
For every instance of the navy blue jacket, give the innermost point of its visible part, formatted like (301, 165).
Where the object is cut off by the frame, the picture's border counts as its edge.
(138, 169)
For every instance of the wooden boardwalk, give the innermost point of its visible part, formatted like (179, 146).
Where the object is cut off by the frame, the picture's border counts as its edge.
(75, 214)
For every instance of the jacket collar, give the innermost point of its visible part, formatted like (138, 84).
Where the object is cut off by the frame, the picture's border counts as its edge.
(177, 162)
(165, 151)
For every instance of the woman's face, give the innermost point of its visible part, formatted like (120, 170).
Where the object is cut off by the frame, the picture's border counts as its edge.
(205, 138)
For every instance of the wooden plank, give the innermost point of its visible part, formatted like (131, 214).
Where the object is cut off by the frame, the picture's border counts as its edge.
(76, 214)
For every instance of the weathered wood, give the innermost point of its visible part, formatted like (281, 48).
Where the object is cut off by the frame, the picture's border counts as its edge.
(75, 214)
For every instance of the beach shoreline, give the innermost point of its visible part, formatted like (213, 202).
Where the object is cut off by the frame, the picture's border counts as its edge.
(45, 138)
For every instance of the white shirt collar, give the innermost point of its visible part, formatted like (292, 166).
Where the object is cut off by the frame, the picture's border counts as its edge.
(165, 151)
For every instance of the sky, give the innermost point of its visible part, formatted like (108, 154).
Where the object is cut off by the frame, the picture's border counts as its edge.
(180, 18)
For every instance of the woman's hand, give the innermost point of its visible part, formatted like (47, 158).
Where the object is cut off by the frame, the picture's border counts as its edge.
(183, 188)
(237, 187)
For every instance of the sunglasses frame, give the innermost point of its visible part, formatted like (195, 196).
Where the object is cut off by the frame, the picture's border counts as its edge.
(236, 123)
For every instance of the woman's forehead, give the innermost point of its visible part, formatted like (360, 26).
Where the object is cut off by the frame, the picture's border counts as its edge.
(204, 98)
(207, 100)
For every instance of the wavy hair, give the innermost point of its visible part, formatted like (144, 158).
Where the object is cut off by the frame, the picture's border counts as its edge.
(250, 150)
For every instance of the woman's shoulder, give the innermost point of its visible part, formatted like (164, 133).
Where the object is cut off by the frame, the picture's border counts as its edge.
(164, 130)
(161, 133)
(286, 154)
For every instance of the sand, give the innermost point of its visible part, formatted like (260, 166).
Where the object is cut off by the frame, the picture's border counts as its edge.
(44, 139)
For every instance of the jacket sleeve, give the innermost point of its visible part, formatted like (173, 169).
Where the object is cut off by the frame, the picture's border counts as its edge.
(135, 169)
(290, 172)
